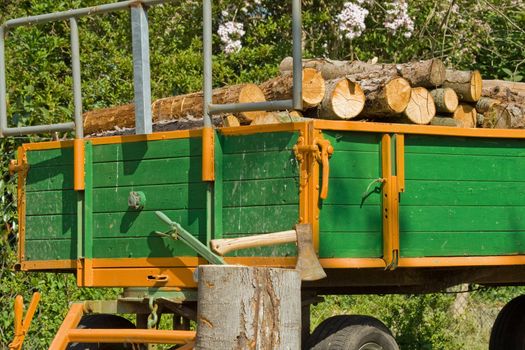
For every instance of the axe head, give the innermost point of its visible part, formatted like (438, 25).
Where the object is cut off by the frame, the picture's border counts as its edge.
(308, 264)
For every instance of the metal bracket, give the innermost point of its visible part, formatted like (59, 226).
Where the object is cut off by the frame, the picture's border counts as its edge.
(176, 232)
(321, 151)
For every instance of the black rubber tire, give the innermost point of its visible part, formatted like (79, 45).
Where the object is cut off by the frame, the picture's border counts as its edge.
(508, 331)
(103, 321)
(350, 332)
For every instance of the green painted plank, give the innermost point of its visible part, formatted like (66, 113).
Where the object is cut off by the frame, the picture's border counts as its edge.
(87, 237)
(454, 167)
(260, 142)
(51, 226)
(350, 218)
(462, 219)
(351, 191)
(263, 219)
(282, 250)
(218, 190)
(57, 249)
(147, 172)
(145, 223)
(464, 145)
(458, 193)
(50, 157)
(466, 243)
(129, 151)
(350, 244)
(354, 141)
(261, 192)
(355, 164)
(49, 178)
(257, 166)
(51, 202)
(150, 246)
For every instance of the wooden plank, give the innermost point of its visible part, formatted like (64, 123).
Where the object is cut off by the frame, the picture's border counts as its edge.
(272, 251)
(261, 219)
(51, 226)
(350, 244)
(468, 243)
(355, 164)
(139, 247)
(453, 167)
(50, 178)
(172, 148)
(258, 166)
(350, 191)
(350, 218)
(147, 172)
(353, 141)
(50, 157)
(464, 145)
(459, 193)
(462, 218)
(45, 249)
(260, 142)
(51, 202)
(261, 192)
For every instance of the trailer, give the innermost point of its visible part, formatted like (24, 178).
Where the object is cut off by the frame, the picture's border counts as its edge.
(390, 209)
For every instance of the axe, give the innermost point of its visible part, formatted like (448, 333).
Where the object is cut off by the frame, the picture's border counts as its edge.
(308, 264)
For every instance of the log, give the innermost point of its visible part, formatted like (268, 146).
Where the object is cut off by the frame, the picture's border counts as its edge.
(505, 116)
(444, 121)
(515, 87)
(230, 121)
(467, 84)
(446, 100)
(427, 73)
(421, 107)
(385, 96)
(242, 307)
(174, 107)
(485, 104)
(279, 118)
(465, 115)
(281, 88)
(343, 99)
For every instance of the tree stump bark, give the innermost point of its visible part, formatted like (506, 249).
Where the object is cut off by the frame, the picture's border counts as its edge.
(243, 307)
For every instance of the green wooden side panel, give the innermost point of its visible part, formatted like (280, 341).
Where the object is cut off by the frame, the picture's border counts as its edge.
(463, 197)
(51, 249)
(260, 188)
(350, 226)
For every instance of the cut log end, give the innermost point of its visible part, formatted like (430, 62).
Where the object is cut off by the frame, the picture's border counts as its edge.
(421, 108)
(476, 86)
(398, 93)
(465, 115)
(252, 93)
(344, 100)
(437, 72)
(313, 87)
(446, 100)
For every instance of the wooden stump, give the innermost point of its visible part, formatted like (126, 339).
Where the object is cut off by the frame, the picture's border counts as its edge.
(467, 84)
(421, 108)
(446, 100)
(465, 115)
(242, 307)
(343, 99)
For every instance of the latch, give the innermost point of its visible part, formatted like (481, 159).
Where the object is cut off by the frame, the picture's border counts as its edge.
(321, 151)
(15, 166)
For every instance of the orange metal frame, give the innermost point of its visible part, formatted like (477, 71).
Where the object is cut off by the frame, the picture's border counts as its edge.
(22, 324)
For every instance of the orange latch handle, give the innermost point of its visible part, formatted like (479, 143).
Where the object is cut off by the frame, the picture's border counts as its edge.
(326, 152)
(22, 326)
(19, 311)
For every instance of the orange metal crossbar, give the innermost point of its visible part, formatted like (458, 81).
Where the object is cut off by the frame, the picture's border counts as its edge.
(22, 325)
(69, 333)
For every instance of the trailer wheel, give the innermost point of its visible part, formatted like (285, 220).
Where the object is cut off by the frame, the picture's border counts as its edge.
(351, 332)
(103, 321)
(507, 331)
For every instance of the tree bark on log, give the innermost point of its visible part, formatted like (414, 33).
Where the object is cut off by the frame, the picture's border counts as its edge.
(467, 84)
(421, 108)
(446, 100)
(444, 121)
(505, 116)
(281, 88)
(485, 104)
(501, 85)
(174, 107)
(243, 307)
(343, 99)
(427, 73)
(385, 96)
(465, 115)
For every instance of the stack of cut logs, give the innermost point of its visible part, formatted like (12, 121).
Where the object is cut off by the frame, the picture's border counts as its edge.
(422, 92)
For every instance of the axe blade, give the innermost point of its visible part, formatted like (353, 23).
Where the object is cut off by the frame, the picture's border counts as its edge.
(308, 264)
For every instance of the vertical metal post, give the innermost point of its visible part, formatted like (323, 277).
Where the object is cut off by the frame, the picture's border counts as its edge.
(3, 102)
(141, 69)
(297, 54)
(77, 87)
(207, 54)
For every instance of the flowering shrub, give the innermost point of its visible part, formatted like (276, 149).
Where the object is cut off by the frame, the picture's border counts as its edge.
(230, 34)
(397, 18)
(352, 19)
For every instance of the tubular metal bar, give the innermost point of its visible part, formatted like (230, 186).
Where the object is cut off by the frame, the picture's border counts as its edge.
(77, 87)
(297, 54)
(3, 102)
(207, 53)
(86, 11)
(141, 69)
(38, 129)
(253, 106)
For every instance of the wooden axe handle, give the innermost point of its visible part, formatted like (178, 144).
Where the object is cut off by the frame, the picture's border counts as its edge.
(226, 245)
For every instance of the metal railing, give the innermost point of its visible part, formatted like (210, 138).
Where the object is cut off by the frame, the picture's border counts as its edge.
(141, 67)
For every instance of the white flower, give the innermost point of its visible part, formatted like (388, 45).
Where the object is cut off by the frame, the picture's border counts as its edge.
(397, 18)
(230, 34)
(352, 19)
